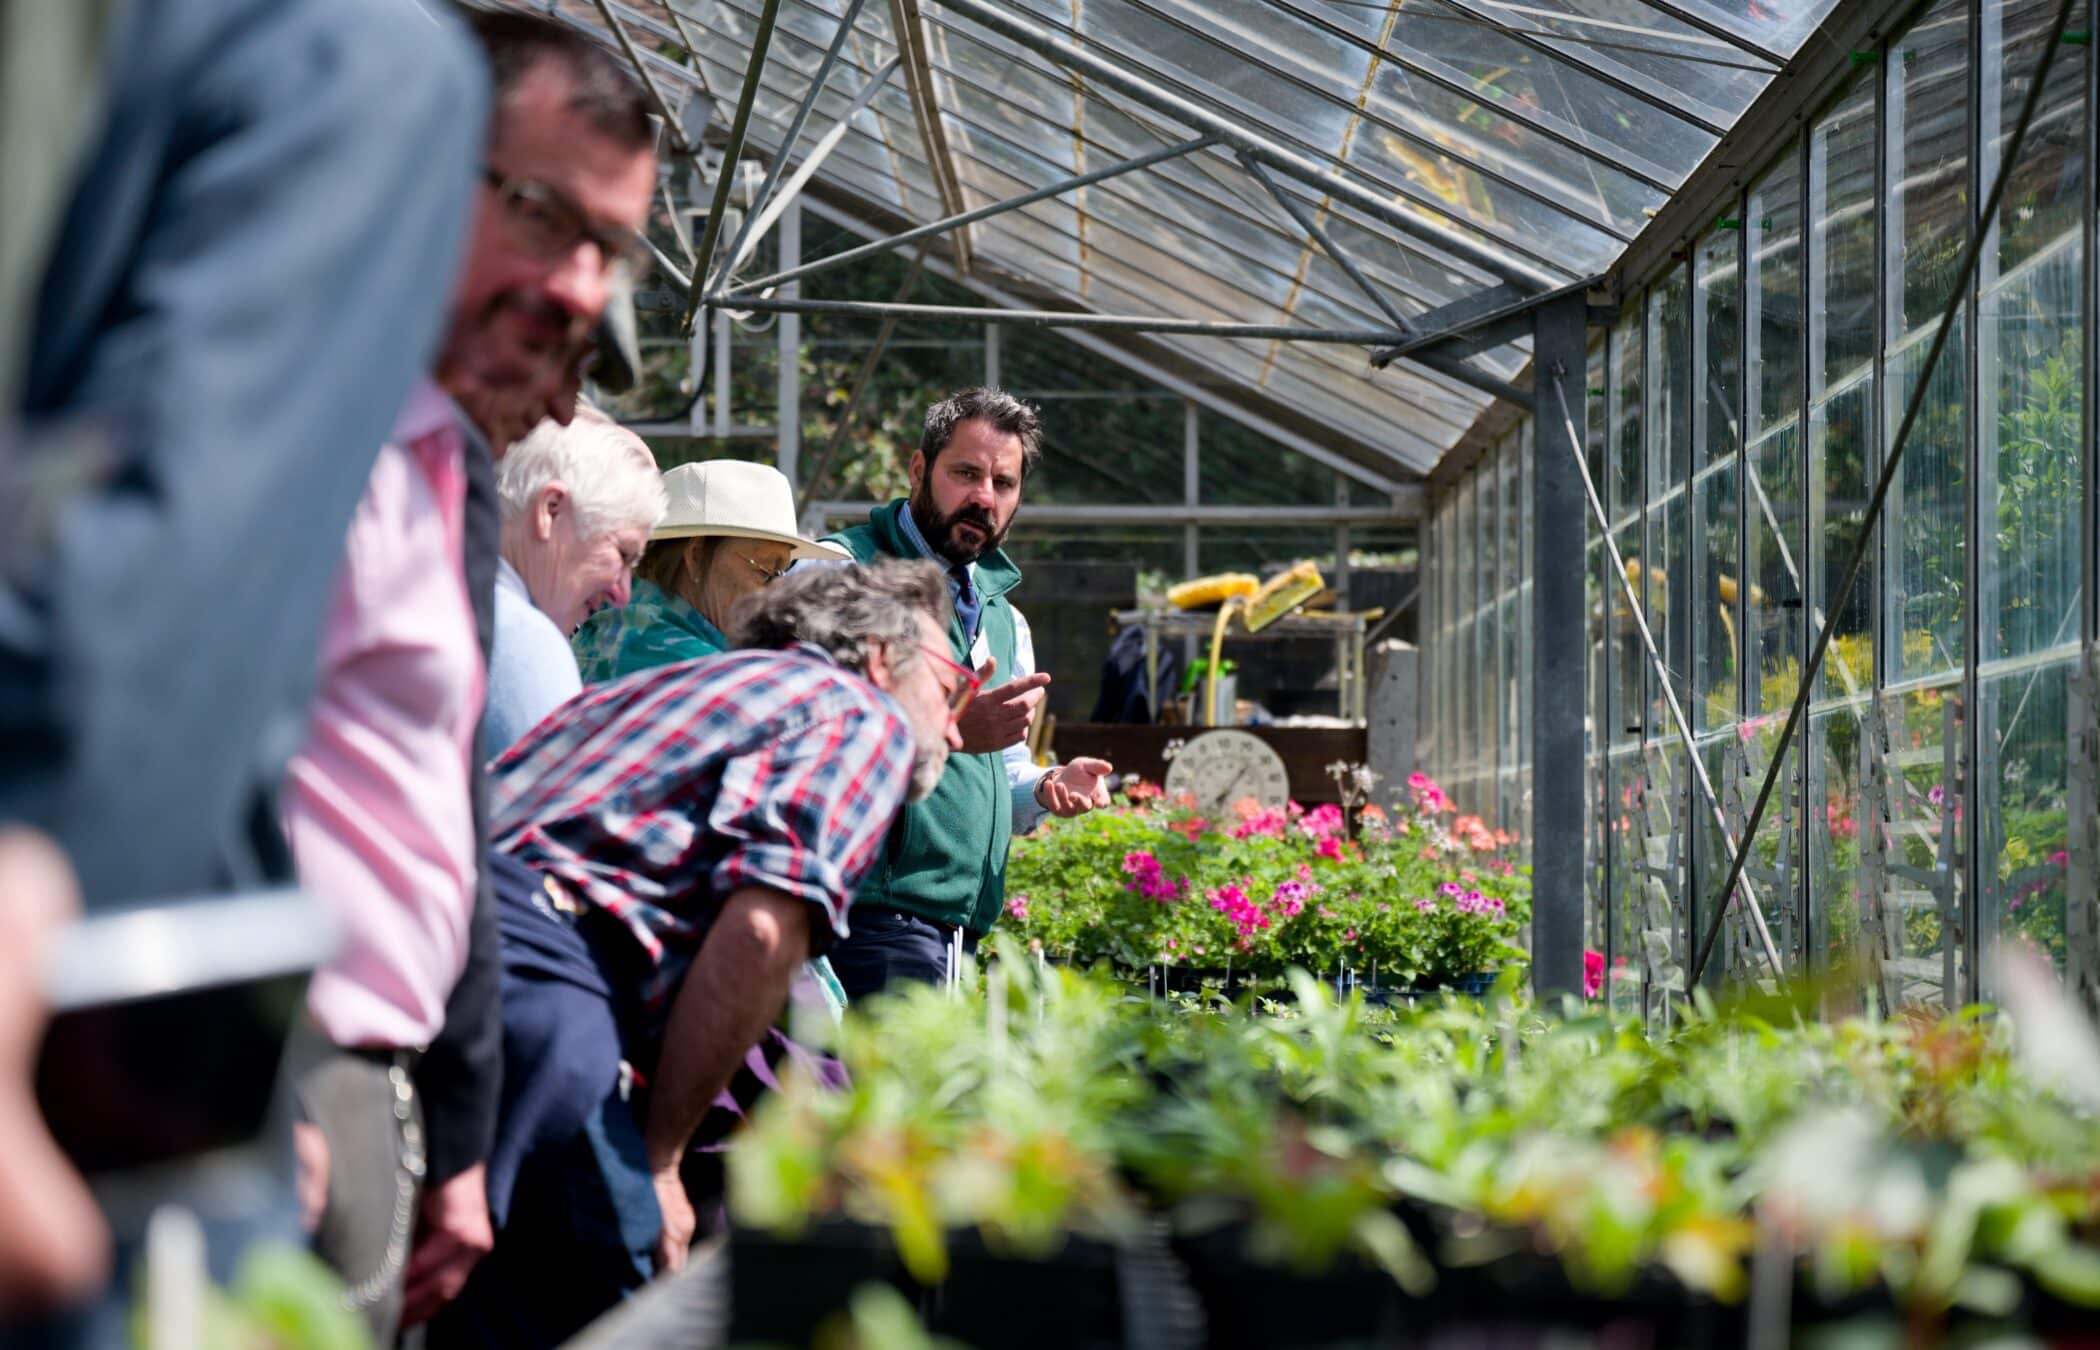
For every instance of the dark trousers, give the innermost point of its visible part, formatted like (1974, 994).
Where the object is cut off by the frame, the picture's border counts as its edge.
(570, 1191)
(888, 946)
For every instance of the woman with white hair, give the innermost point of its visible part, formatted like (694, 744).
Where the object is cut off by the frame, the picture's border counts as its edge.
(578, 504)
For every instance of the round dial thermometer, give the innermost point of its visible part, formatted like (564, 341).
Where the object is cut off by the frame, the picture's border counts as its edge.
(1219, 768)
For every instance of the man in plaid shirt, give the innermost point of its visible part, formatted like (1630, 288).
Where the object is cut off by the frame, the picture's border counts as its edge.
(695, 831)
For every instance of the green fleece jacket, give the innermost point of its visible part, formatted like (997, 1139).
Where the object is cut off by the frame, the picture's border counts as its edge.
(946, 856)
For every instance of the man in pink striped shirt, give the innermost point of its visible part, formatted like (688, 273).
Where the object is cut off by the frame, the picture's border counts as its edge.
(377, 805)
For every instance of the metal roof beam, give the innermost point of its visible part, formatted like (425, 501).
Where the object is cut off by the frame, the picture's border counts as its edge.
(1054, 318)
(1469, 319)
(685, 148)
(909, 30)
(760, 220)
(1200, 394)
(997, 208)
(1406, 507)
(1197, 118)
(748, 233)
(1297, 212)
(703, 257)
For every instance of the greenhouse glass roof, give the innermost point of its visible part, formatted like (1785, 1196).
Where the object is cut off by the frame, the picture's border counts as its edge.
(1338, 170)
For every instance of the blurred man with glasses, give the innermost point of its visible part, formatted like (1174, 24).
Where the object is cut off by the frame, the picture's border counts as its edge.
(381, 805)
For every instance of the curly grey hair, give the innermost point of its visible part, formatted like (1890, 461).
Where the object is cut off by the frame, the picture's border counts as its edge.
(843, 608)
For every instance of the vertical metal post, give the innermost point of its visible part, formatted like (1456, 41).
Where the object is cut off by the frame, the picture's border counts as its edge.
(1813, 796)
(1340, 579)
(992, 356)
(1191, 495)
(788, 384)
(1559, 358)
(697, 357)
(1978, 478)
(722, 333)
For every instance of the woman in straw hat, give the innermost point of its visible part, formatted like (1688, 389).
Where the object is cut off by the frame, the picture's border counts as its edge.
(729, 530)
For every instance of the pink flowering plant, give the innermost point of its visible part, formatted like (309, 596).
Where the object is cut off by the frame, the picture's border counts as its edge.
(1413, 894)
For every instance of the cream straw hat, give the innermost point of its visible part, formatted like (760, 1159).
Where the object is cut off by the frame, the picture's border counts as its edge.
(739, 499)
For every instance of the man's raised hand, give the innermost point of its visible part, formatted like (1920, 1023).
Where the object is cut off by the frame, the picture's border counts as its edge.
(999, 716)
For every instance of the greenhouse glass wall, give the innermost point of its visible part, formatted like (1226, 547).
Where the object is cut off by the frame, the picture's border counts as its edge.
(1938, 804)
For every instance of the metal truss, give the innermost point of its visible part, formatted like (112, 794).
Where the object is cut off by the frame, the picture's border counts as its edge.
(703, 259)
(1060, 318)
(778, 163)
(710, 286)
(997, 208)
(768, 207)
(1406, 495)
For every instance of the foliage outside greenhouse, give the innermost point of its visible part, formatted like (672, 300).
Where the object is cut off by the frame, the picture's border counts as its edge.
(1909, 1168)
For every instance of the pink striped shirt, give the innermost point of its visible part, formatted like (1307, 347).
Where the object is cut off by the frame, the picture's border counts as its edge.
(376, 804)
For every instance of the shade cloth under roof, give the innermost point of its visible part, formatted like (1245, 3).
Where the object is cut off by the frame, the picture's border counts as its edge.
(1543, 133)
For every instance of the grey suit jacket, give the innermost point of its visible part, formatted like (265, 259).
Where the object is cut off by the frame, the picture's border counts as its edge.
(253, 267)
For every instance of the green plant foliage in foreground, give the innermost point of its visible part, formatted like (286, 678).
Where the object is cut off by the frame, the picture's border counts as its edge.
(1913, 1156)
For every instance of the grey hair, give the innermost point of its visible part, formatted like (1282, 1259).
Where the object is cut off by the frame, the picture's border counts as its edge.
(843, 608)
(1005, 412)
(609, 472)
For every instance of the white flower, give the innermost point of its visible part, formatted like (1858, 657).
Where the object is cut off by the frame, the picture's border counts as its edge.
(1172, 748)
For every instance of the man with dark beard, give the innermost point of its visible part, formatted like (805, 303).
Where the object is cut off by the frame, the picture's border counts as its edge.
(942, 878)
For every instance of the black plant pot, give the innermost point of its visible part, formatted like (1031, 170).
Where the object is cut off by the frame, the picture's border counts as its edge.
(782, 1290)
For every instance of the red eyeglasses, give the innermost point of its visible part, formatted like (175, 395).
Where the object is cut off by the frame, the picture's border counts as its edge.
(967, 682)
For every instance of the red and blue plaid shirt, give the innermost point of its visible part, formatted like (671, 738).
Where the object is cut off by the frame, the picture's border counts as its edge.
(656, 797)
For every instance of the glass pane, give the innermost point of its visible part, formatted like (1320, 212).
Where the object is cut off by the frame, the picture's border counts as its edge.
(1841, 315)
(2030, 403)
(1510, 74)
(1839, 936)
(2023, 863)
(1773, 614)
(1241, 467)
(1841, 241)
(1927, 227)
(1628, 456)
(1926, 601)
(1928, 138)
(1717, 362)
(1921, 898)
(1667, 585)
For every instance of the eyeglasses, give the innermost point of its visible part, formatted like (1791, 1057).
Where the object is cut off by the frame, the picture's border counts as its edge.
(547, 224)
(767, 575)
(966, 681)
